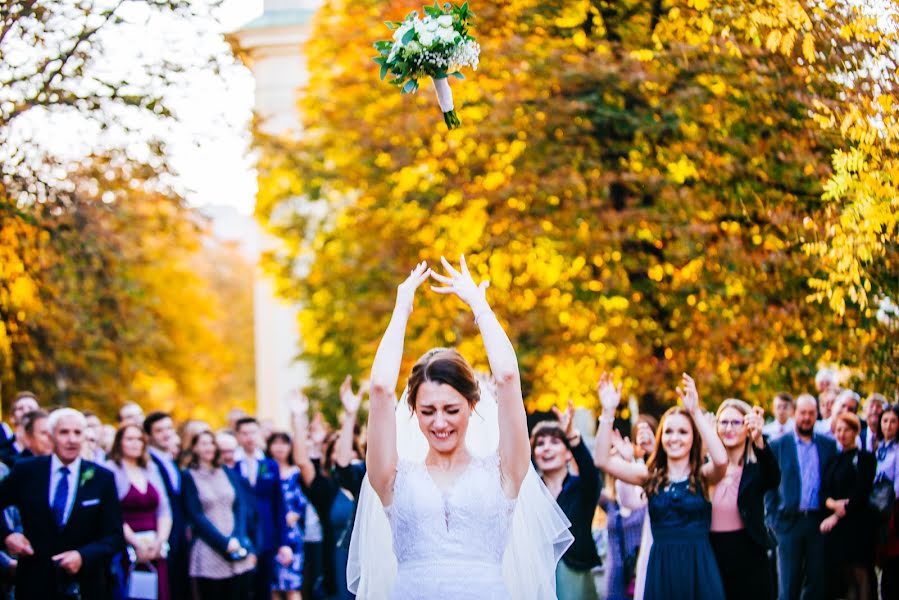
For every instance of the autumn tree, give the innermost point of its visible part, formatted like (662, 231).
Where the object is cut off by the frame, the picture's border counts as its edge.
(639, 180)
(100, 296)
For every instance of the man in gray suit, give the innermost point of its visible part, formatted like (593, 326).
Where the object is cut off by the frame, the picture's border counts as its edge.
(795, 508)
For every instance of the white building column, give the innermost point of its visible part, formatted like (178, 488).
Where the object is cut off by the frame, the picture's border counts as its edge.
(271, 46)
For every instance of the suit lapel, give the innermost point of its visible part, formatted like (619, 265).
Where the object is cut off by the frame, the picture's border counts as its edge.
(44, 487)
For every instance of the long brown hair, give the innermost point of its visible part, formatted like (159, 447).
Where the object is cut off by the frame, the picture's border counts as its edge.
(658, 462)
(443, 365)
(115, 453)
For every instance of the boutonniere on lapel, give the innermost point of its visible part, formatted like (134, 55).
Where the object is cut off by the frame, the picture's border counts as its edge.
(86, 476)
(263, 469)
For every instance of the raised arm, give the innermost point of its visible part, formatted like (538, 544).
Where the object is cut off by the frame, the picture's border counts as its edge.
(299, 417)
(514, 445)
(609, 397)
(381, 455)
(712, 471)
(343, 449)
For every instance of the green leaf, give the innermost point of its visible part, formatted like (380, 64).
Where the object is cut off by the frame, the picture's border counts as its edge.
(458, 75)
(410, 86)
(408, 37)
(390, 25)
(384, 69)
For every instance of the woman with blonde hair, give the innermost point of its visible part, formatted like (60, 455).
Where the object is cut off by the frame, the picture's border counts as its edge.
(738, 534)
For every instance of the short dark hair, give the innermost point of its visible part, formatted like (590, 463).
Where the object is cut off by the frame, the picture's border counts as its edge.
(31, 418)
(244, 421)
(786, 397)
(549, 428)
(153, 418)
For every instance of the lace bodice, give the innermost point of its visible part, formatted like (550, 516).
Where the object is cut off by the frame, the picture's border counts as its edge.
(470, 522)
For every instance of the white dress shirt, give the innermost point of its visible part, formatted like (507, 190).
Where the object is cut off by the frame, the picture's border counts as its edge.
(775, 430)
(55, 477)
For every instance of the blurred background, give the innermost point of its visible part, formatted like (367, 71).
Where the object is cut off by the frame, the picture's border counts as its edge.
(208, 205)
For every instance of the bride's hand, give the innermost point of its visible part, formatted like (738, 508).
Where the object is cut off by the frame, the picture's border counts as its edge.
(405, 292)
(462, 285)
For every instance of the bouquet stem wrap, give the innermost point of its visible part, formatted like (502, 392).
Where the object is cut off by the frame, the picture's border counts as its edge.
(445, 100)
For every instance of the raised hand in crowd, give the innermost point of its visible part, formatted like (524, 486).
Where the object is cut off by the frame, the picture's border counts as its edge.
(646, 441)
(351, 401)
(755, 421)
(566, 422)
(622, 445)
(714, 470)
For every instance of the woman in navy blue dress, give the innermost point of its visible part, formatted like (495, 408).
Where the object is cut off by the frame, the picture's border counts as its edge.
(682, 565)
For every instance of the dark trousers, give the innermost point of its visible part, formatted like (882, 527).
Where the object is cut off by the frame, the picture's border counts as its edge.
(233, 588)
(264, 575)
(179, 581)
(801, 559)
(889, 580)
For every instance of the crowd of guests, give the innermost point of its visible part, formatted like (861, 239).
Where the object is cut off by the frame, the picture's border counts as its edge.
(697, 505)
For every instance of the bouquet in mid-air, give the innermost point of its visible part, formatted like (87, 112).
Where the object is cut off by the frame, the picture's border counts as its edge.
(437, 46)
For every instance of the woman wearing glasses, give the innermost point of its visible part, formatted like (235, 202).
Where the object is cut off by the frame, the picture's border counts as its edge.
(738, 534)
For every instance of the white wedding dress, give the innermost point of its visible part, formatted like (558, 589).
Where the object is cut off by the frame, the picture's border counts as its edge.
(450, 545)
(471, 542)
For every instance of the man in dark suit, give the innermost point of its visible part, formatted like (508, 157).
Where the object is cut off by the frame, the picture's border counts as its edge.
(25, 402)
(795, 508)
(161, 431)
(71, 518)
(38, 441)
(262, 478)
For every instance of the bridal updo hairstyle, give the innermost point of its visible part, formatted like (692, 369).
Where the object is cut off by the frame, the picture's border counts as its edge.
(444, 365)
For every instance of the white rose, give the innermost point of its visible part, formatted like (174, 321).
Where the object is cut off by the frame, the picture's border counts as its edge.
(399, 33)
(445, 21)
(426, 38)
(413, 46)
(431, 25)
(447, 35)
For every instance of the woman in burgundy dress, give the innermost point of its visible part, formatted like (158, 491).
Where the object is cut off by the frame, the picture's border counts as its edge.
(146, 515)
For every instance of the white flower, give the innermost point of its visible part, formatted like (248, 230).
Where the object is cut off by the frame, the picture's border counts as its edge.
(445, 21)
(413, 47)
(447, 35)
(430, 24)
(426, 38)
(399, 33)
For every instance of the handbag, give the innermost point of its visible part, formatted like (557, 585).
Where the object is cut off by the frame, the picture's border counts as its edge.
(143, 585)
(883, 496)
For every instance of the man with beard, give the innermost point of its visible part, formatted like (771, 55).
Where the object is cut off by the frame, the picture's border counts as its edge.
(795, 508)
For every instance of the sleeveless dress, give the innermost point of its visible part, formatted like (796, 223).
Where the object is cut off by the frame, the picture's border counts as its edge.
(450, 545)
(290, 577)
(139, 513)
(681, 565)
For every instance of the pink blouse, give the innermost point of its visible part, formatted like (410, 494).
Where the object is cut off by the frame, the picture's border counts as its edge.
(725, 513)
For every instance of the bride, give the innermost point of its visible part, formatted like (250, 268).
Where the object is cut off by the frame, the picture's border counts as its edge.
(468, 519)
